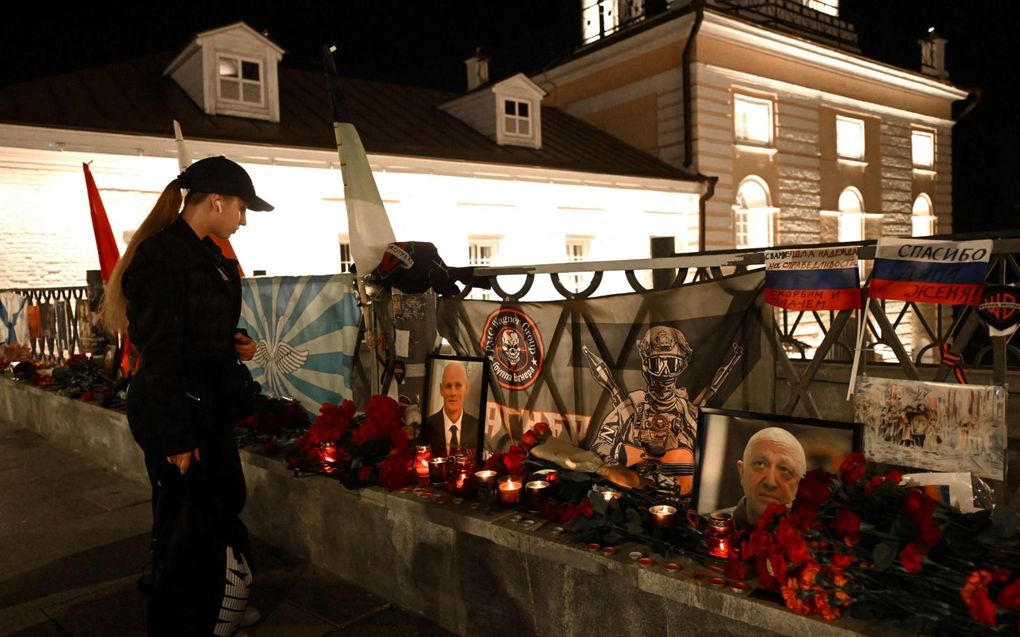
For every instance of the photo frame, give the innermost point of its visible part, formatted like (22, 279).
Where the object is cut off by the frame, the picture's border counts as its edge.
(438, 400)
(723, 436)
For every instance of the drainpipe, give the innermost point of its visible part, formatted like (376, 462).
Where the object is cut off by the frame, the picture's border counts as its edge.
(685, 65)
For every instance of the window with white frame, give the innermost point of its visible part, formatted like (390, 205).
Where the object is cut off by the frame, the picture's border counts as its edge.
(482, 251)
(849, 137)
(517, 117)
(922, 148)
(752, 120)
(923, 217)
(851, 215)
(240, 80)
(577, 251)
(754, 214)
(346, 258)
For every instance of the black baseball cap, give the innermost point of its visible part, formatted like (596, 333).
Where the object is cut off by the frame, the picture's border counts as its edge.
(223, 177)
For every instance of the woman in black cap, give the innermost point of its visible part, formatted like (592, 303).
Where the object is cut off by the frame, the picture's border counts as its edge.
(179, 300)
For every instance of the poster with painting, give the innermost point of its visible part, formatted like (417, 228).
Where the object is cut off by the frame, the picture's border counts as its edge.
(934, 426)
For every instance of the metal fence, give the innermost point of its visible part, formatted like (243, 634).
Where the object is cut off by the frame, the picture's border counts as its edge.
(911, 338)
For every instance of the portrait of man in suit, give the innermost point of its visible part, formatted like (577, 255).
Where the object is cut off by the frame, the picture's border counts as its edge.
(450, 428)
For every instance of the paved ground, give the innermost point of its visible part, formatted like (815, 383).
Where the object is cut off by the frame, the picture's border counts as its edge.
(73, 539)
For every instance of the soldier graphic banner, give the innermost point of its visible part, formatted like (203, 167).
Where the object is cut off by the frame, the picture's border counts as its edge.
(306, 328)
(622, 375)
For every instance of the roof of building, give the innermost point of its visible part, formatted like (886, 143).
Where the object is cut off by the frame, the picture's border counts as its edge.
(134, 97)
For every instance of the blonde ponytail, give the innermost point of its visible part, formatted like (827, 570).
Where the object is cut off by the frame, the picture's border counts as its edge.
(113, 310)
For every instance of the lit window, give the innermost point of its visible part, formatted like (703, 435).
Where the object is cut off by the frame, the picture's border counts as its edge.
(828, 7)
(346, 260)
(849, 137)
(752, 120)
(851, 215)
(577, 251)
(923, 217)
(517, 118)
(482, 252)
(240, 80)
(922, 148)
(598, 18)
(753, 215)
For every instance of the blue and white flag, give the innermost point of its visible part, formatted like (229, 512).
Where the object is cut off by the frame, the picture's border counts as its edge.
(307, 332)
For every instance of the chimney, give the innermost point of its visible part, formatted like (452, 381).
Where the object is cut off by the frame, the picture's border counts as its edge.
(933, 55)
(477, 69)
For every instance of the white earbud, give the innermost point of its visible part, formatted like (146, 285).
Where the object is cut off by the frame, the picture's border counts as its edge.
(219, 207)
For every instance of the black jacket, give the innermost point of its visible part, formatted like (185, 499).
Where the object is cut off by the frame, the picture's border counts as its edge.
(184, 300)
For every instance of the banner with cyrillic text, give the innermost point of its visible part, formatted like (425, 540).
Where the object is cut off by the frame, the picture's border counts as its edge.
(818, 279)
(944, 272)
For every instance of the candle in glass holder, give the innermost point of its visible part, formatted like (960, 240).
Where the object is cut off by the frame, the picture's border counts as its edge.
(719, 534)
(437, 470)
(663, 515)
(534, 494)
(327, 452)
(485, 480)
(509, 490)
(422, 455)
(460, 474)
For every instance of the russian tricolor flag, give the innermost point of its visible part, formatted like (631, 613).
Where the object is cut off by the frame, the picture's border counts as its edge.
(925, 271)
(817, 279)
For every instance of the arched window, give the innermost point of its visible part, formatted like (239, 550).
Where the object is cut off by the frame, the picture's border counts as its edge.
(923, 219)
(753, 214)
(851, 215)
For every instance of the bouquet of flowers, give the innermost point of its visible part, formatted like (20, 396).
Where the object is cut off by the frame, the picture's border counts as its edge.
(865, 545)
(358, 449)
(276, 426)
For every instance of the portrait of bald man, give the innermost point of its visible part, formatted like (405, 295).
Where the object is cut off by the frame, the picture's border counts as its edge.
(451, 428)
(770, 470)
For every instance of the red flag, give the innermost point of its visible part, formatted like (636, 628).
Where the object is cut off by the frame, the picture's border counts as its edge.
(228, 251)
(105, 243)
(107, 247)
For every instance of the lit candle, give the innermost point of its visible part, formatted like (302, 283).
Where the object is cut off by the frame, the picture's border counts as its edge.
(460, 474)
(437, 470)
(327, 452)
(663, 515)
(509, 490)
(485, 480)
(535, 493)
(611, 494)
(719, 534)
(423, 453)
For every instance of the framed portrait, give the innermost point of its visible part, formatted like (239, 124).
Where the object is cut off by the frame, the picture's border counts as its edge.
(732, 473)
(453, 417)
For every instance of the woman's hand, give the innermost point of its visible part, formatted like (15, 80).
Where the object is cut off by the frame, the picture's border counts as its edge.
(183, 460)
(244, 346)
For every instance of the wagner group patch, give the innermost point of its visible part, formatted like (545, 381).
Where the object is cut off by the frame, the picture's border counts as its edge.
(1000, 306)
(513, 345)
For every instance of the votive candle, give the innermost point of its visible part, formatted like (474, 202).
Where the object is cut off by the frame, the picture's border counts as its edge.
(509, 490)
(719, 534)
(437, 470)
(423, 453)
(535, 493)
(663, 515)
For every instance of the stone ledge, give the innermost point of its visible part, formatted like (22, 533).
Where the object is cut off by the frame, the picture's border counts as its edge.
(467, 570)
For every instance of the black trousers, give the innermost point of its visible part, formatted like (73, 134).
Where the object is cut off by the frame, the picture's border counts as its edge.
(194, 517)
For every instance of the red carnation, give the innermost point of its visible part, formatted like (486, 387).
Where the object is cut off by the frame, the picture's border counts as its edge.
(929, 531)
(847, 524)
(791, 541)
(529, 439)
(853, 468)
(982, 608)
(541, 430)
(813, 489)
(912, 557)
(1009, 597)
(384, 413)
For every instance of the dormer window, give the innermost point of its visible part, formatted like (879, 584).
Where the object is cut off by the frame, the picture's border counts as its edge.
(517, 118)
(240, 80)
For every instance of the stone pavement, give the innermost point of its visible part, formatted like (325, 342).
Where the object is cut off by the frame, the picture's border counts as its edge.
(74, 537)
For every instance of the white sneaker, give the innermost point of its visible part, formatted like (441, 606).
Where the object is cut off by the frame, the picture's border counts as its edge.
(251, 617)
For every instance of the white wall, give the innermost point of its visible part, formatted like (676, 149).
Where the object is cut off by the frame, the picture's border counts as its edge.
(47, 237)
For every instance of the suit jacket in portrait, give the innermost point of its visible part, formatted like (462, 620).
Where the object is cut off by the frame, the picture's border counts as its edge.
(433, 432)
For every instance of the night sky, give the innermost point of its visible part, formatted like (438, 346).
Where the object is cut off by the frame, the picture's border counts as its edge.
(425, 43)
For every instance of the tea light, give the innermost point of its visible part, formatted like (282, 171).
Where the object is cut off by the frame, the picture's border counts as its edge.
(663, 515)
(509, 490)
(422, 455)
(485, 480)
(719, 534)
(536, 490)
(437, 470)
(611, 494)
